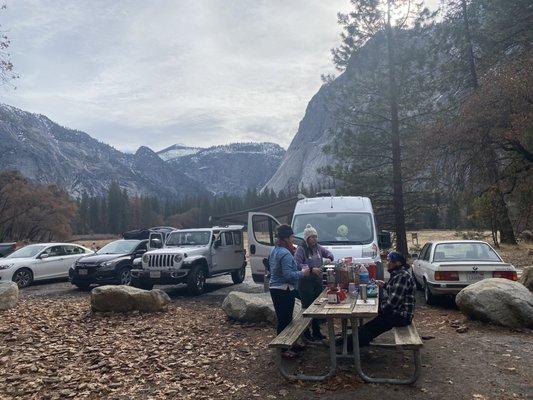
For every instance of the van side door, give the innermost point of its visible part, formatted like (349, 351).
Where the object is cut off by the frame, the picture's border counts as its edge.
(261, 238)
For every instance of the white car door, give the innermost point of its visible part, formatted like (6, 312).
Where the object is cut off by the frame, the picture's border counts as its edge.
(261, 238)
(417, 267)
(50, 263)
(224, 255)
(426, 268)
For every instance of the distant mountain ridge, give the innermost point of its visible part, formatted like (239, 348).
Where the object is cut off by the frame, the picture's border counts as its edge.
(48, 153)
(238, 165)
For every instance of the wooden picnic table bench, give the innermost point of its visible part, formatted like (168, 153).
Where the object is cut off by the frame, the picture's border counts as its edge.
(354, 311)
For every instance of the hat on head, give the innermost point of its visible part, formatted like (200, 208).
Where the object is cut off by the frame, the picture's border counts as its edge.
(395, 256)
(309, 231)
(285, 232)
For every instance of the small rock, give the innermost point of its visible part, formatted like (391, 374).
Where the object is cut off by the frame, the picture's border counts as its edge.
(428, 337)
(462, 329)
(9, 295)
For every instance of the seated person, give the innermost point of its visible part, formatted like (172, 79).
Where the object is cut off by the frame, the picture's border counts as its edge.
(397, 301)
(342, 233)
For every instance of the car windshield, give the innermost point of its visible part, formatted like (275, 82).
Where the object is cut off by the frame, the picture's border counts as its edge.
(28, 251)
(189, 238)
(337, 228)
(464, 252)
(119, 247)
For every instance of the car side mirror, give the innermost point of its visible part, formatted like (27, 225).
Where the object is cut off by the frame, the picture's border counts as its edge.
(43, 256)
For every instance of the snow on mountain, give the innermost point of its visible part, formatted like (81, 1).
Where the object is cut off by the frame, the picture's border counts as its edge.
(232, 168)
(176, 151)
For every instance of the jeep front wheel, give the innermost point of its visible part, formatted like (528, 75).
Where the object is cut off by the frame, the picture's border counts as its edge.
(196, 280)
(239, 275)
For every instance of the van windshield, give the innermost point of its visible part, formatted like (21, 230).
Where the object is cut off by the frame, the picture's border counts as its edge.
(337, 228)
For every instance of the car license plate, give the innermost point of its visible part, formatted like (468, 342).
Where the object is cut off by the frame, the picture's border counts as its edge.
(155, 274)
(82, 272)
(474, 276)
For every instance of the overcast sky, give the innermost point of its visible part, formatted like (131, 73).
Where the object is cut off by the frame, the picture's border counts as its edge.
(159, 72)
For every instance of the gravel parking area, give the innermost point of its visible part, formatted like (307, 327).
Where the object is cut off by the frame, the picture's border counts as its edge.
(53, 347)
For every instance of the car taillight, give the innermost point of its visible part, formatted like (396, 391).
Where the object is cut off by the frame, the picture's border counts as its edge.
(505, 274)
(446, 276)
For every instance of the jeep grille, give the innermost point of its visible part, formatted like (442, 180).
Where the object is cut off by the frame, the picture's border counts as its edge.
(161, 260)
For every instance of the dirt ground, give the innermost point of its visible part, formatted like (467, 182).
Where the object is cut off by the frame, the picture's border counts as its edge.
(53, 347)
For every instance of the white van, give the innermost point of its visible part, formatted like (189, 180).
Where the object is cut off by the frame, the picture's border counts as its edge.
(346, 226)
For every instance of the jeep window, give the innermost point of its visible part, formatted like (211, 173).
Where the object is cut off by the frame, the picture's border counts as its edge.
(228, 236)
(189, 238)
(119, 247)
(237, 236)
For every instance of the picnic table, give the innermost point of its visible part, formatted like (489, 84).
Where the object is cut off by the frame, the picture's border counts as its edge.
(351, 311)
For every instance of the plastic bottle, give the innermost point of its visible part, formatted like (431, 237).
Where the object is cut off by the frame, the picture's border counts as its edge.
(363, 275)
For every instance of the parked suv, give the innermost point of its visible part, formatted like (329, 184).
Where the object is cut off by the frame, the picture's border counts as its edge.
(111, 264)
(190, 256)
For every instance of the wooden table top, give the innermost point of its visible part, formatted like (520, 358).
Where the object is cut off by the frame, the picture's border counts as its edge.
(321, 309)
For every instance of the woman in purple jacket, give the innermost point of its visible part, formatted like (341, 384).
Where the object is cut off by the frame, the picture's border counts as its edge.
(310, 253)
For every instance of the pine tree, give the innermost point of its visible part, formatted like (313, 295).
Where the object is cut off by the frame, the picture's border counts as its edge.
(382, 88)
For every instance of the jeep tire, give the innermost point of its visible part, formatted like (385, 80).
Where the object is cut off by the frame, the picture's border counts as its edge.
(239, 275)
(196, 280)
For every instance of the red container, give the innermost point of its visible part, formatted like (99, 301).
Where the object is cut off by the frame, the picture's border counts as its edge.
(372, 271)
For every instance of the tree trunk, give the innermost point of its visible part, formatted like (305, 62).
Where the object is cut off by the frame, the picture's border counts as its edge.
(399, 216)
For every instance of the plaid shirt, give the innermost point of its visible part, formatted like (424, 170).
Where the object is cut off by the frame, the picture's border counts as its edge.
(398, 294)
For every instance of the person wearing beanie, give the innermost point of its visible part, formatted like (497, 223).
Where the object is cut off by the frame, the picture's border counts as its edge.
(310, 253)
(397, 301)
(284, 278)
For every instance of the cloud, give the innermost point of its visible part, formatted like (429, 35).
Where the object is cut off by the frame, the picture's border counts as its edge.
(199, 72)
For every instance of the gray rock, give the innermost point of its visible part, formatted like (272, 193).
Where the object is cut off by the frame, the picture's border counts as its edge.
(9, 295)
(252, 307)
(498, 301)
(114, 298)
(527, 278)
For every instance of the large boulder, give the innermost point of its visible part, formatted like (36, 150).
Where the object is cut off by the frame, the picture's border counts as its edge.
(252, 307)
(9, 295)
(527, 278)
(113, 298)
(498, 301)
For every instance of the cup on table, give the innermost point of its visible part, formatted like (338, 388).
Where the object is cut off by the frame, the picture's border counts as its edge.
(352, 289)
(363, 292)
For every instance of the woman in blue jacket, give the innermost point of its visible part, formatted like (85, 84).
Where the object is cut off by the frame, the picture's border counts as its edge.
(284, 277)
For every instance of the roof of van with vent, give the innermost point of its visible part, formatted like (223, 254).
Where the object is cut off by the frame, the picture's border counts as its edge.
(333, 204)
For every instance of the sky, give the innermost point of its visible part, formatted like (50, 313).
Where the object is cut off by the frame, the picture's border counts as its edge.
(160, 72)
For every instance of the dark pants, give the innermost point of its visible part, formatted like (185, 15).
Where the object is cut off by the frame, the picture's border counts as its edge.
(309, 289)
(283, 301)
(382, 323)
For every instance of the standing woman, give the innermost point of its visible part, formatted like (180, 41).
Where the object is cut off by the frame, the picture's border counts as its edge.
(310, 253)
(284, 277)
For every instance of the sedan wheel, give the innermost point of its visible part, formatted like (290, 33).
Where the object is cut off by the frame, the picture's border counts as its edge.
(125, 277)
(428, 296)
(23, 278)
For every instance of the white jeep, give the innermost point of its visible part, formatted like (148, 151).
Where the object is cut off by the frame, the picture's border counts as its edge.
(191, 256)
